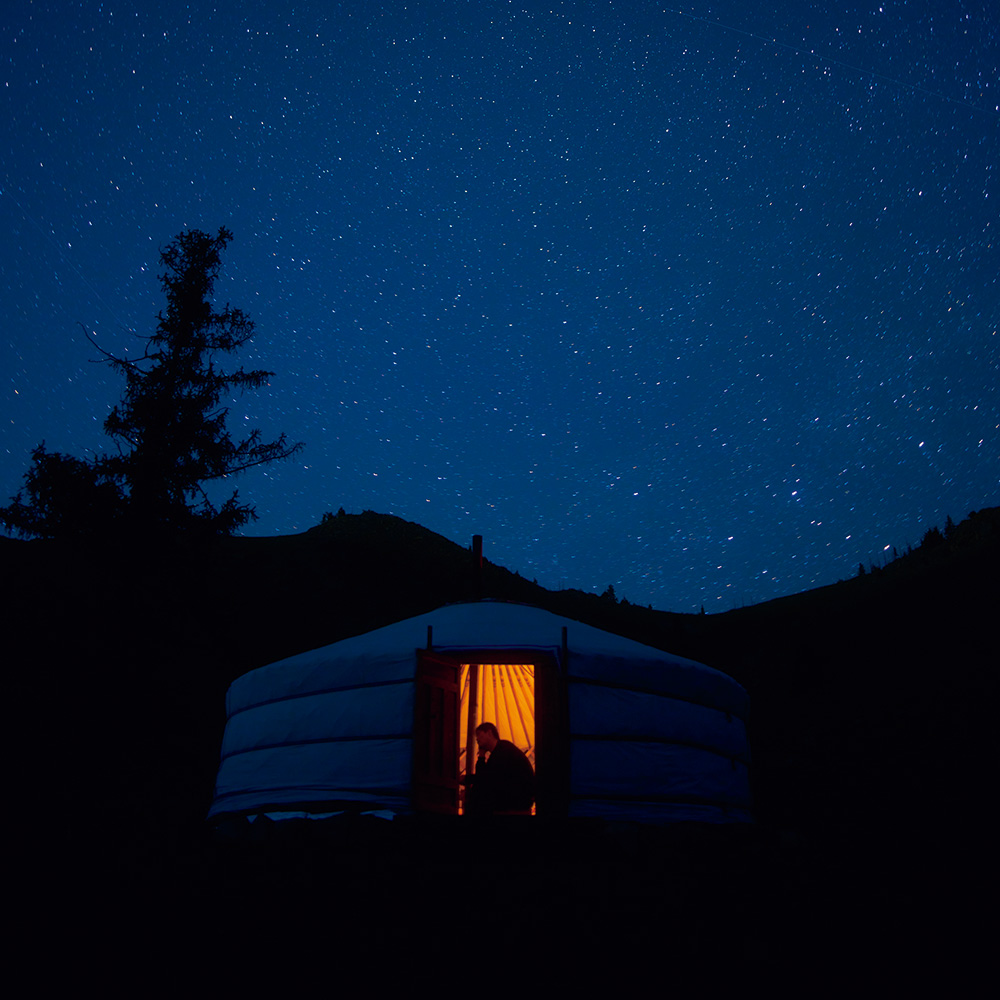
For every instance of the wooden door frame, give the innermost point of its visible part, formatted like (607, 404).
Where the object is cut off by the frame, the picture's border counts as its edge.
(551, 728)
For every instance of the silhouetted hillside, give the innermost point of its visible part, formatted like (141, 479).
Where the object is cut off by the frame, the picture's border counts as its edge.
(868, 729)
(181, 624)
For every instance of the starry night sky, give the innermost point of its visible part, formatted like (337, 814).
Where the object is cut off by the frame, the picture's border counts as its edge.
(700, 304)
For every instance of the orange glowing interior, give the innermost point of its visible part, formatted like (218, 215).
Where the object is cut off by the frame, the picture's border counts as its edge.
(505, 696)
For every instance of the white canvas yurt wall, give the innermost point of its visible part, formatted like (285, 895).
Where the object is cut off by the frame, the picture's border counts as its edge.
(648, 736)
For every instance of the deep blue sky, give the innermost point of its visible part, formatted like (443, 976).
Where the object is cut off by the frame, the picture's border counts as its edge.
(703, 305)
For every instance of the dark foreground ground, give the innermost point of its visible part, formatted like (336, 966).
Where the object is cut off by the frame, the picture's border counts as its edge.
(872, 732)
(571, 904)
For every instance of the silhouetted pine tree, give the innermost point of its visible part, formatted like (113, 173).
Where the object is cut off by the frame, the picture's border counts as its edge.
(932, 539)
(64, 497)
(170, 426)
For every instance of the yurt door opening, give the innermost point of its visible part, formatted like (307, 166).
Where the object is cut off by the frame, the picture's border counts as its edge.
(501, 693)
(454, 696)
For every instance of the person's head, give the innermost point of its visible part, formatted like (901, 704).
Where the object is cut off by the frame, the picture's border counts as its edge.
(487, 736)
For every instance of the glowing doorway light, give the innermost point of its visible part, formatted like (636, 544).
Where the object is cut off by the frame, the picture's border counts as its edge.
(505, 696)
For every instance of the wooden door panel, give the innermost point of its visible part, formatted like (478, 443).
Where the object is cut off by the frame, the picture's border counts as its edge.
(435, 735)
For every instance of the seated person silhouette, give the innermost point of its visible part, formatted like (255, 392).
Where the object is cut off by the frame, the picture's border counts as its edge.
(504, 782)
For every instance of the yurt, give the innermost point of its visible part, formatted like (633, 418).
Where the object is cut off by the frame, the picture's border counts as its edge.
(382, 722)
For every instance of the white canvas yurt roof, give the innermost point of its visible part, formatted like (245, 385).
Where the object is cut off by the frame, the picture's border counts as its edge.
(641, 734)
